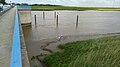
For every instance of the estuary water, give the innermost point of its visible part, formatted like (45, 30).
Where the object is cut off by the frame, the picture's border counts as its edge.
(46, 30)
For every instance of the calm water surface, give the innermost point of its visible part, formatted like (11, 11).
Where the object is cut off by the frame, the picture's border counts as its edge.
(90, 22)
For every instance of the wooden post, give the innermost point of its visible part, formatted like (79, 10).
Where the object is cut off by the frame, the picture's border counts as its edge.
(43, 15)
(35, 19)
(55, 14)
(77, 21)
(57, 20)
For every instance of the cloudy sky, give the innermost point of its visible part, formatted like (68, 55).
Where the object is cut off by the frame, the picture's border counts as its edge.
(97, 3)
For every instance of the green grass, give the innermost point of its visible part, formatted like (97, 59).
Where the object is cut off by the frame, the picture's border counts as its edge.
(100, 52)
(50, 8)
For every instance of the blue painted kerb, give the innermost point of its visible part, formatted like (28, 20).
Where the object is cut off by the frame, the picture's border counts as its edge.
(16, 60)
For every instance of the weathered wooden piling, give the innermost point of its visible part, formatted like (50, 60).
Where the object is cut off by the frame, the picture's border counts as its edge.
(35, 19)
(55, 14)
(57, 20)
(77, 20)
(43, 15)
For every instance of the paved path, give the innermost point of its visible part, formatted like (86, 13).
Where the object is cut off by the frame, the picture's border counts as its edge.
(6, 36)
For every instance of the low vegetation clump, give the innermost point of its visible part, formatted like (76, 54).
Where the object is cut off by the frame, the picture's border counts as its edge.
(100, 52)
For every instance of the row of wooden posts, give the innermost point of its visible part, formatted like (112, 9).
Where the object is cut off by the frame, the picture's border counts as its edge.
(56, 16)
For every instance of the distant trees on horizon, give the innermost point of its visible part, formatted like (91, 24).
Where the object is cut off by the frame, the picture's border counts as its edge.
(25, 4)
(2, 1)
(44, 5)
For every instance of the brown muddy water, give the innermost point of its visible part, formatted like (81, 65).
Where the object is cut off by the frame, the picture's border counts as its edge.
(43, 38)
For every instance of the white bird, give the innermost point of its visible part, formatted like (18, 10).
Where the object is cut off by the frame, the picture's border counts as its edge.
(59, 38)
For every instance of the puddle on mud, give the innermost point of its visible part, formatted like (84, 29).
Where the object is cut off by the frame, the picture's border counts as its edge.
(43, 38)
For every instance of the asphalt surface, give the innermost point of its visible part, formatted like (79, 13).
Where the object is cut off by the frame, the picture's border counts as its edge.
(6, 36)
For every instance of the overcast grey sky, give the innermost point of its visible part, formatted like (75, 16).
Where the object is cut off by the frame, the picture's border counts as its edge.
(97, 3)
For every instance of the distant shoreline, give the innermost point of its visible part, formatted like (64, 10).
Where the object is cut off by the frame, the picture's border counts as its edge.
(52, 8)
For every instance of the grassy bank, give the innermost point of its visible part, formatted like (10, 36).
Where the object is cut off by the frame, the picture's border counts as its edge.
(100, 52)
(50, 8)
